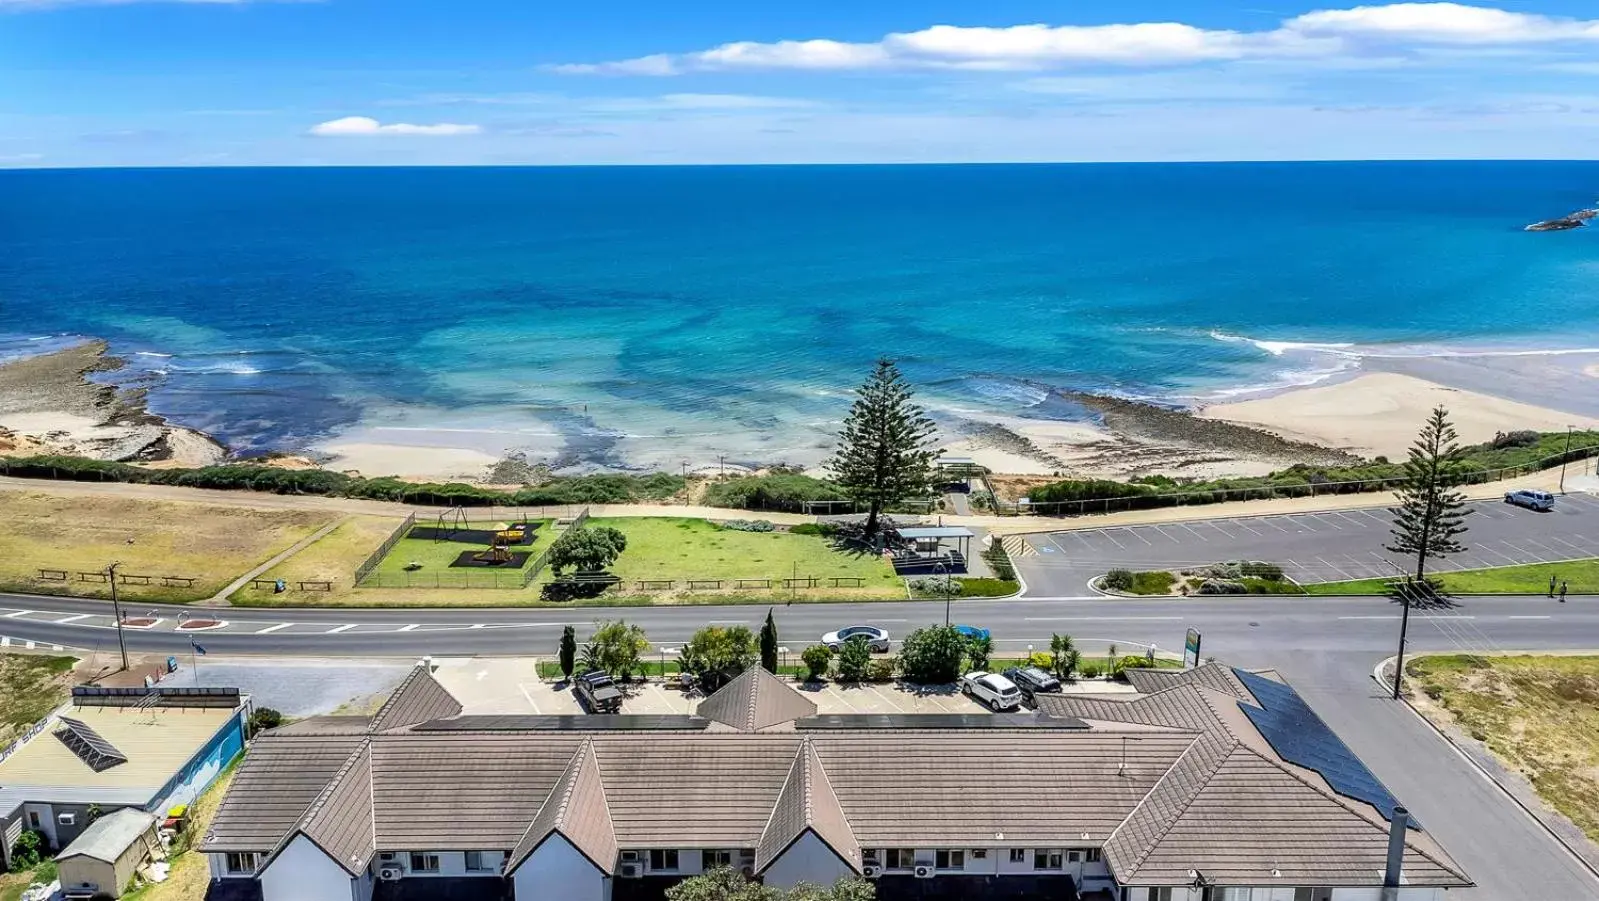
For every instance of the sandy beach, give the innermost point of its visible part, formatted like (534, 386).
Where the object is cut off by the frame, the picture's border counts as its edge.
(1378, 414)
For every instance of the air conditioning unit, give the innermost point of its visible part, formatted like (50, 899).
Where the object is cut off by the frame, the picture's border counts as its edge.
(629, 856)
(390, 874)
(871, 871)
(630, 870)
(923, 871)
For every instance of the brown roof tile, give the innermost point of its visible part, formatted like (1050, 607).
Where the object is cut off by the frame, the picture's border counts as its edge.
(1210, 675)
(756, 700)
(418, 699)
(807, 803)
(577, 810)
(280, 778)
(340, 822)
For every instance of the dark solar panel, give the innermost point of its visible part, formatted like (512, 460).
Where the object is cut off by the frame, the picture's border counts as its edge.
(938, 721)
(90, 746)
(1300, 737)
(573, 723)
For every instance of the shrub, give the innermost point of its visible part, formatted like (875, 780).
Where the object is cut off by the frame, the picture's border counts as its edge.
(817, 658)
(999, 560)
(263, 718)
(1153, 582)
(587, 549)
(882, 670)
(1133, 661)
(1091, 671)
(1118, 580)
(571, 591)
(936, 587)
(854, 660)
(1271, 572)
(1084, 489)
(933, 655)
(1519, 438)
(28, 851)
(1222, 586)
(1041, 660)
(779, 491)
(717, 654)
(1229, 570)
(748, 525)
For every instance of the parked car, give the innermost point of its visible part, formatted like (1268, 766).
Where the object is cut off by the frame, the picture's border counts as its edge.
(1032, 681)
(876, 639)
(991, 689)
(973, 633)
(1531, 498)
(598, 693)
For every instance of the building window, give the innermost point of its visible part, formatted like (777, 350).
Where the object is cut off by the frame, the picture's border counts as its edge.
(33, 820)
(1018, 855)
(949, 860)
(899, 859)
(663, 859)
(1092, 855)
(1160, 894)
(710, 860)
(1047, 859)
(1074, 856)
(1312, 894)
(242, 863)
(424, 863)
(483, 861)
(871, 856)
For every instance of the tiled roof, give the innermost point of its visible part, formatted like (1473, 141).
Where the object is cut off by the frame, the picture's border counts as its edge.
(1211, 675)
(340, 821)
(418, 699)
(755, 700)
(807, 803)
(280, 778)
(713, 790)
(577, 810)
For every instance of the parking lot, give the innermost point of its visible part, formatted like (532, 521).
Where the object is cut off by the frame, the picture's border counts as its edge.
(508, 685)
(1311, 547)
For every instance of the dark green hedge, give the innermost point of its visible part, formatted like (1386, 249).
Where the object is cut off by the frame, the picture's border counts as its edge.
(773, 492)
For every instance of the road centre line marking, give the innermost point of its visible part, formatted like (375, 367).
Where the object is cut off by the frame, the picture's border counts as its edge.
(337, 629)
(18, 613)
(1099, 619)
(270, 629)
(73, 618)
(411, 628)
(1530, 617)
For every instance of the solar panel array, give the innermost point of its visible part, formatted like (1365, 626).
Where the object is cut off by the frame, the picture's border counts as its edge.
(1300, 737)
(90, 746)
(568, 723)
(843, 721)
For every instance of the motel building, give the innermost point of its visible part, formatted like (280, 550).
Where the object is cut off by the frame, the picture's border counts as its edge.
(1211, 784)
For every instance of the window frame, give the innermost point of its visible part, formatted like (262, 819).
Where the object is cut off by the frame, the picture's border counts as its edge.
(426, 857)
(482, 862)
(713, 858)
(1093, 855)
(1052, 859)
(952, 859)
(228, 860)
(899, 858)
(674, 858)
(1018, 855)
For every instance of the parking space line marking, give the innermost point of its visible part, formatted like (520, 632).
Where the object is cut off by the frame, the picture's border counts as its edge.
(1334, 568)
(1194, 531)
(1113, 540)
(270, 629)
(1530, 617)
(1218, 528)
(1247, 528)
(1580, 550)
(1167, 535)
(18, 613)
(1489, 550)
(840, 694)
(73, 618)
(1141, 537)
(337, 629)
(530, 702)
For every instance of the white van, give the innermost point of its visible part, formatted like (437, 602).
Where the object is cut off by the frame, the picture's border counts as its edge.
(991, 689)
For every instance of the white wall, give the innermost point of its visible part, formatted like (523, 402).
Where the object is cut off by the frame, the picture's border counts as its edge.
(558, 872)
(809, 859)
(451, 863)
(47, 820)
(362, 888)
(1403, 893)
(303, 873)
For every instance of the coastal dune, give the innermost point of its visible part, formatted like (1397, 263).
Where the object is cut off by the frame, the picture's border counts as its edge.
(1378, 414)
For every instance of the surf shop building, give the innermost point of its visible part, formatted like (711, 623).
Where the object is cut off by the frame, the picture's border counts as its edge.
(1209, 785)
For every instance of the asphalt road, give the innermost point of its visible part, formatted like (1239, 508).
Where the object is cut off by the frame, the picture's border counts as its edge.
(1311, 547)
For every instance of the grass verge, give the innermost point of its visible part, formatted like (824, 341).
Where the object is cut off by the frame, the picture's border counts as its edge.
(1539, 715)
(1581, 577)
(30, 687)
(211, 544)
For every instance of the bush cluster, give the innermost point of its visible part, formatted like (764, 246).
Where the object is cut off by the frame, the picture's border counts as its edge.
(779, 491)
(1118, 580)
(1222, 586)
(748, 525)
(936, 586)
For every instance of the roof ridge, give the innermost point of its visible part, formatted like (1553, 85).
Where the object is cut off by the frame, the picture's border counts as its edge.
(1188, 801)
(809, 754)
(399, 690)
(303, 821)
(579, 761)
(799, 757)
(752, 700)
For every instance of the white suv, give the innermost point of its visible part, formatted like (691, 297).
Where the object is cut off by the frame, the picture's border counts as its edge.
(992, 690)
(1531, 498)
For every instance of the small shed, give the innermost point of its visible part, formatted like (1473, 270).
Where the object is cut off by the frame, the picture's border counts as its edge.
(105, 857)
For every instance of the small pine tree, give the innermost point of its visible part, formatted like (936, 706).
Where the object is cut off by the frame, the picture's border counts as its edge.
(1430, 517)
(769, 644)
(885, 451)
(568, 651)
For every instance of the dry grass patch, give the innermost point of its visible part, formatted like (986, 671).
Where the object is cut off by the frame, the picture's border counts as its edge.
(212, 544)
(331, 558)
(1538, 714)
(31, 686)
(190, 876)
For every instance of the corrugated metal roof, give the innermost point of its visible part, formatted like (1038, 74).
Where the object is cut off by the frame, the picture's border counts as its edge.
(108, 837)
(755, 700)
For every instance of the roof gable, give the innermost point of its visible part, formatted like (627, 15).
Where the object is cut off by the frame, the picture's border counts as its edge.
(807, 803)
(755, 700)
(578, 811)
(418, 699)
(341, 820)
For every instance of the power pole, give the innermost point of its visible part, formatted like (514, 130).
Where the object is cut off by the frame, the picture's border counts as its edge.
(116, 610)
(1404, 627)
(1563, 457)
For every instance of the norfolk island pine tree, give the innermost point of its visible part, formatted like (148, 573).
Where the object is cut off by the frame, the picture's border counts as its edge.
(885, 451)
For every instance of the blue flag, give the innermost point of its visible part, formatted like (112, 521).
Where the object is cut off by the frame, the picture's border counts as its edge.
(197, 649)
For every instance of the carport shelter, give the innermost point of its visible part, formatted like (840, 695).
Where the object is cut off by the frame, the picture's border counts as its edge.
(104, 859)
(929, 540)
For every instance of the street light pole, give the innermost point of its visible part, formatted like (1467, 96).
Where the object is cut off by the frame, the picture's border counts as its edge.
(1563, 458)
(116, 610)
(1404, 627)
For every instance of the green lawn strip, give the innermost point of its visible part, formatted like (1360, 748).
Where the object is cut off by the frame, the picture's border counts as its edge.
(680, 550)
(1155, 582)
(1581, 576)
(30, 687)
(1538, 714)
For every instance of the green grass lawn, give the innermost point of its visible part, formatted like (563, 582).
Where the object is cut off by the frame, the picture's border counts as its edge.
(436, 556)
(684, 549)
(1582, 577)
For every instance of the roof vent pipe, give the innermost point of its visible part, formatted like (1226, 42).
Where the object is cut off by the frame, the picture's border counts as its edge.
(1396, 847)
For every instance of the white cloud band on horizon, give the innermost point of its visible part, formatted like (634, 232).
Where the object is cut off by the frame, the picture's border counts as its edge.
(1321, 33)
(365, 126)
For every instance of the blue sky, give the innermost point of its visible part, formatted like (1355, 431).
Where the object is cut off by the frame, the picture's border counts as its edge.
(381, 82)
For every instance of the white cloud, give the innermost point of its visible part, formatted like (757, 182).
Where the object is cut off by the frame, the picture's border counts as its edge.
(1320, 34)
(363, 126)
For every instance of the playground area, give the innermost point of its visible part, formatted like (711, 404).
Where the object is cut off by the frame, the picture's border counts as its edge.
(452, 549)
(168, 551)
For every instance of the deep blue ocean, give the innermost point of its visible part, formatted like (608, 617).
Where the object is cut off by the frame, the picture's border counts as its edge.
(712, 306)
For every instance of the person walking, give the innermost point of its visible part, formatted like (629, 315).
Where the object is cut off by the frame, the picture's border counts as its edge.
(1562, 592)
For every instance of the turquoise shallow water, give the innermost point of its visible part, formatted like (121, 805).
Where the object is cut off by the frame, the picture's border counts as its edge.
(706, 310)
